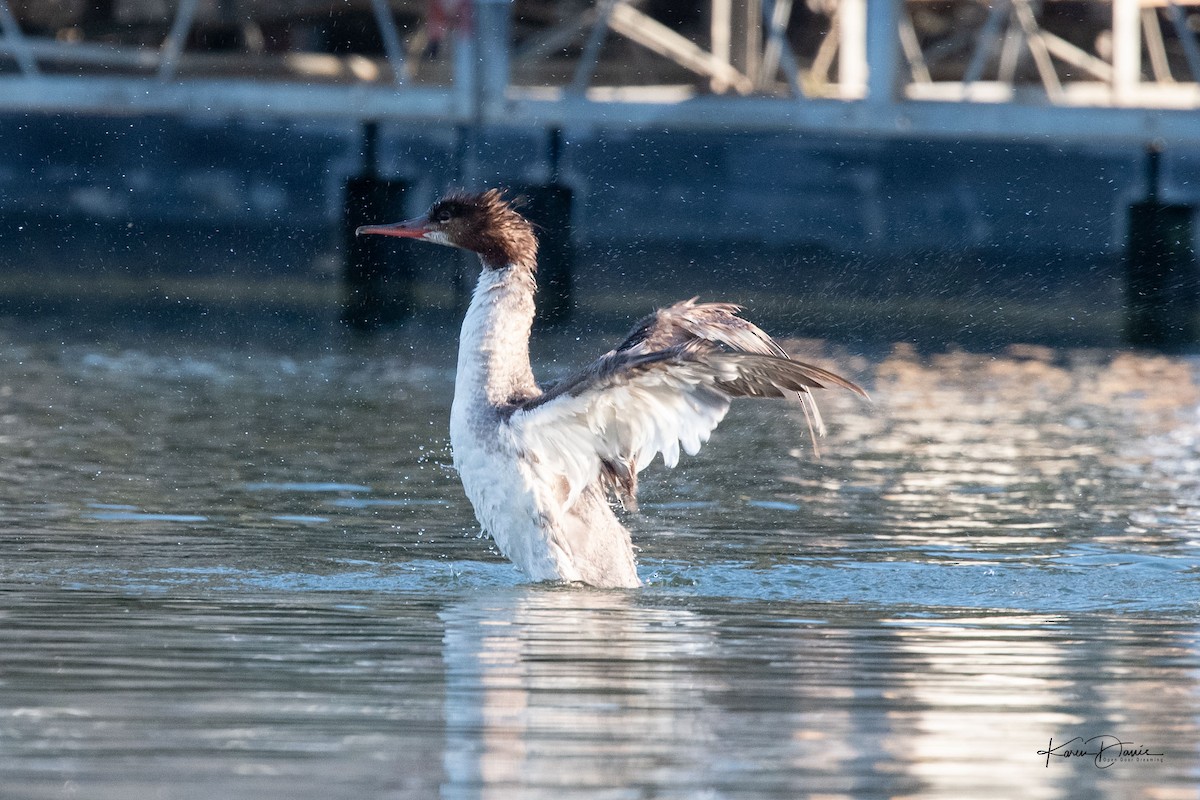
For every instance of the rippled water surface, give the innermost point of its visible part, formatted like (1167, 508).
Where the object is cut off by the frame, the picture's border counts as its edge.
(247, 570)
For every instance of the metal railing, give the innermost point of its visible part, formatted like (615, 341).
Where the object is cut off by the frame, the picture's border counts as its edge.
(870, 67)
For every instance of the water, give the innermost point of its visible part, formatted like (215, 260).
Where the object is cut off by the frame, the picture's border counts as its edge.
(236, 570)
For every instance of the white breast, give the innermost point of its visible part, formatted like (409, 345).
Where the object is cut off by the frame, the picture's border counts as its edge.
(509, 503)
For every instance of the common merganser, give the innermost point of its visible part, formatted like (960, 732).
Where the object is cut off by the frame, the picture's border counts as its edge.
(539, 463)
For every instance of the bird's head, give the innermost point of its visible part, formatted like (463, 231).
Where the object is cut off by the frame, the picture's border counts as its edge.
(484, 223)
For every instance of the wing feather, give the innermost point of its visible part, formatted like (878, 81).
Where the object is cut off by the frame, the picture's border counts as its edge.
(663, 389)
(621, 413)
(716, 323)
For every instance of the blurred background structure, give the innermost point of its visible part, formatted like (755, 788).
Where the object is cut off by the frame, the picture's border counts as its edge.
(267, 56)
(1041, 153)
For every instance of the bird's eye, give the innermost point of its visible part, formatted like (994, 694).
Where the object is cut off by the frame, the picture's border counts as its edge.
(441, 215)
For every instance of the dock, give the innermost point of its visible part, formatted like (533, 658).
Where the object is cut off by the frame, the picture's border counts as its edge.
(1031, 146)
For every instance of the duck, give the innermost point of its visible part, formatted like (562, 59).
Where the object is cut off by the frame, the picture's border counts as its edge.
(546, 467)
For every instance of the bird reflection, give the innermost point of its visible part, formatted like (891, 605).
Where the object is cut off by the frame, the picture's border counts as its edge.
(552, 679)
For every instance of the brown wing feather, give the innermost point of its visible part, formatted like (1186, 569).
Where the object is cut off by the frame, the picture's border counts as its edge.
(688, 321)
(742, 360)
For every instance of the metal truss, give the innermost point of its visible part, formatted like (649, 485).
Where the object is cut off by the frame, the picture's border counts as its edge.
(859, 65)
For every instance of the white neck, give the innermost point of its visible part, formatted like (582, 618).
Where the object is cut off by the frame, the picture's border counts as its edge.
(493, 346)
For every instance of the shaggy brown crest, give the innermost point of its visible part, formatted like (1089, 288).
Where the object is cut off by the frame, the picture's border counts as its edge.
(488, 225)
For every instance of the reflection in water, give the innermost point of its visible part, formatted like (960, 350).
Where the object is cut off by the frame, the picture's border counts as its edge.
(559, 690)
(997, 690)
(250, 572)
(1018, 453)
(555, 693)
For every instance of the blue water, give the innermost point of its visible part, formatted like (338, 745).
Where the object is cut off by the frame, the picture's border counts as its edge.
(238, 569)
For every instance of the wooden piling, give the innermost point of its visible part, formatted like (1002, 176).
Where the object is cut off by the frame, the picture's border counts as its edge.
(549, 208)
(377, 279)
(1162, 282)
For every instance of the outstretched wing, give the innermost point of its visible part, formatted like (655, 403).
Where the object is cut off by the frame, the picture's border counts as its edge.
(666, 386)
(719, 326)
